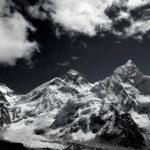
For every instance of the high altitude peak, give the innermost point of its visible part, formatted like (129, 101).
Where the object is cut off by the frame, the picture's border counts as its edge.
(127, 72)
(130, 63)
(128, 66)
(73, 72)
(4, 88)
(74, 77)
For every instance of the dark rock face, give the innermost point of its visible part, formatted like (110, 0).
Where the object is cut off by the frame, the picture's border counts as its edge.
(76, 146)
(2, 98)
(4, 145)
(66, 89)
(4, 115)
(66, 116)
(11, 146)
(96, 123)
(122, 130)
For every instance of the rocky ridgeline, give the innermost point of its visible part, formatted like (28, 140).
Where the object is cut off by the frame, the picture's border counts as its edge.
(115, 110)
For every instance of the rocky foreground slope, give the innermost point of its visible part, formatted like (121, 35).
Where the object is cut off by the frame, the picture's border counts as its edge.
(70, 113)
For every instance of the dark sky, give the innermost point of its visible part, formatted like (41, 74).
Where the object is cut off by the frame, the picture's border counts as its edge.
(97, 57)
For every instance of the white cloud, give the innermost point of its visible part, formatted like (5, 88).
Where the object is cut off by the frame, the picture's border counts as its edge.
(136, 3)
(13, 36)
(79, 15)
(75, 58)
(89, 16)
(138, 27)
(63, 64)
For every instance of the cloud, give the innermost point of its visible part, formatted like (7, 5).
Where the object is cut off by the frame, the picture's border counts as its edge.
(96, 17)
(14, 28)
(78, 15)
(131, 4)
(74, 58)
(63, 64)
(138, 29)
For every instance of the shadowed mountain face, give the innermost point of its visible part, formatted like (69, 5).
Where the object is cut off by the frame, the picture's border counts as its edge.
(7, 98)
(4, 145)
(4, 115)
(121, 129)
(114, 112)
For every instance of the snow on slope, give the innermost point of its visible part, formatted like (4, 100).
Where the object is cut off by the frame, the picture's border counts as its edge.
(7, 99)
(20, 133)
(69, 108)
(8, 95)
(52, 95)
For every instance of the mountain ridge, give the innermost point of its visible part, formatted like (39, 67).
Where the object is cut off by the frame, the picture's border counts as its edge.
(115, 110)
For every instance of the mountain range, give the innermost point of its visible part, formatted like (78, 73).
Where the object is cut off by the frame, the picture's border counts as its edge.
(68, 112)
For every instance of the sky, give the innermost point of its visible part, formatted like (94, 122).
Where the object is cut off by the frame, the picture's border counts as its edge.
(43, 39)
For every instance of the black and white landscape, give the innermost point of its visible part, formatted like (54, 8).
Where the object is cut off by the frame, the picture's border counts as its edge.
(68, 112)
(61, 87)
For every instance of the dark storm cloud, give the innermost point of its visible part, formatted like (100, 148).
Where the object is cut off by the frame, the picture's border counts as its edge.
(128, 18)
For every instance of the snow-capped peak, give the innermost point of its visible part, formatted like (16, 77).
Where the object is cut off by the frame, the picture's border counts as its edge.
(7, 95)
(70, 108)
(76, 80)
(130, 63)
(129, 66)
(4, 89)
(71, 74)
(127, 72)
(74, 76)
